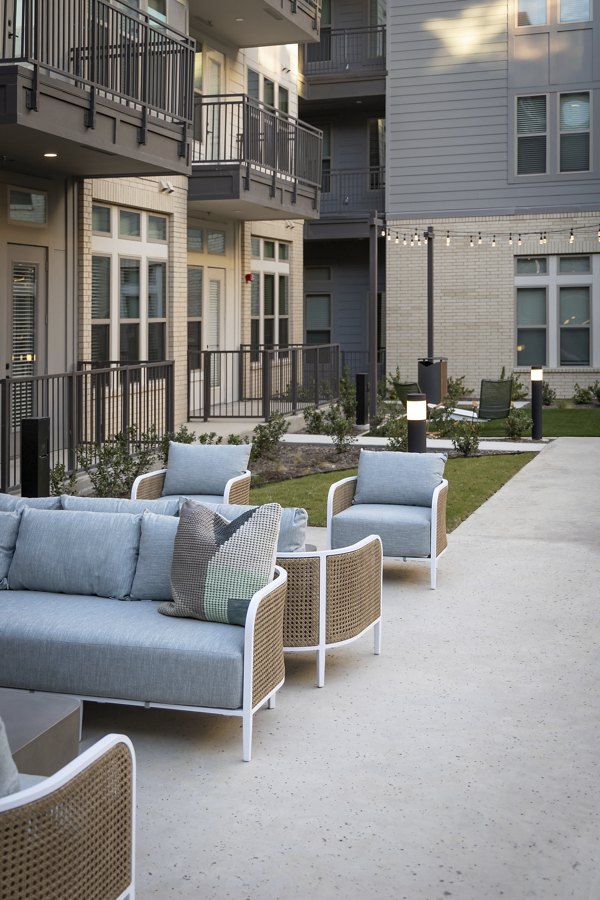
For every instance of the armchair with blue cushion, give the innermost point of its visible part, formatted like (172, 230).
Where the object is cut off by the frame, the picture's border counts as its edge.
(399, 496)
(208, 473)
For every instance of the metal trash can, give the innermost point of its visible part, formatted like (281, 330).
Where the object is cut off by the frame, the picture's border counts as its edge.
(433, 377)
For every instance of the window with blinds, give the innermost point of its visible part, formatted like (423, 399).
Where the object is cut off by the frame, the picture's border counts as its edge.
(575, 11)
(531, 135)
(574, 132)
(317, 318)
(101, 308)
(531, 326)
(574, 315)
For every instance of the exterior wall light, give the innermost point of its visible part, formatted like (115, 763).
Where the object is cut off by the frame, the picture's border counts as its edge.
(416, 414)
(537, 385)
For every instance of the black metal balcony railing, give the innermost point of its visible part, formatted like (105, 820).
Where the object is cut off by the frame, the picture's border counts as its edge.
(346, 50)
(235, 128)
(352, 191)
(111, 51)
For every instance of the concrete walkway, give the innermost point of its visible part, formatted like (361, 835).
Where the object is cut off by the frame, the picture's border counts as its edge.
(461, 763)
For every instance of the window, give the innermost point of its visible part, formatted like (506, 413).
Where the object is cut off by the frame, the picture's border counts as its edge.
(101, 219)
(575, 10)
(317, 318)
(129, 286)
(531, 12)
(555, 297)
(269, 297)
(574, 132)
(215, 242)
(195, 239)
(27, 206)
(531, 135)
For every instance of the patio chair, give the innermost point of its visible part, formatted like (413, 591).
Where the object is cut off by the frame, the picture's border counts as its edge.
(333, 598)
(403, 388)
(399, 496)
(209, 473)
(494, 402)
(73, 834)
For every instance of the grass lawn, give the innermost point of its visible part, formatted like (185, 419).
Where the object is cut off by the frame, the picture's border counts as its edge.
(471, 481)
(582, 422)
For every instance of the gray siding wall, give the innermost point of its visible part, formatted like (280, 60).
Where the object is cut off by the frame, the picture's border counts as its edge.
(455, 68)
(349, 14)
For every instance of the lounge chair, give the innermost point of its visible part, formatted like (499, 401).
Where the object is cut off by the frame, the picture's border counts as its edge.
(494, 402)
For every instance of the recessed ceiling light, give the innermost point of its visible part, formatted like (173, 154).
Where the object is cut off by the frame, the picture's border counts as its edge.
(239, 19)
(50, 155)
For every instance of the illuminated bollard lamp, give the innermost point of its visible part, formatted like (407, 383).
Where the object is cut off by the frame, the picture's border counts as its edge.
(416, 415)
(537, 385)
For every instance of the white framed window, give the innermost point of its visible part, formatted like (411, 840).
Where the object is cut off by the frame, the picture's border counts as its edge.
(532, 140)
(575, 11)
(129, 308)
(269, 297)
(317, 318)
(574, 124)
(558, 310)
(201, 239)
(540, 12)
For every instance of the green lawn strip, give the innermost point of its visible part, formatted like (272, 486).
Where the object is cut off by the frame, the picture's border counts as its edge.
(555, 423)
(471, 482)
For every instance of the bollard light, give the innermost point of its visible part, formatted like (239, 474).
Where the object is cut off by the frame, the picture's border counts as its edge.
(416, 414)
(537, 384)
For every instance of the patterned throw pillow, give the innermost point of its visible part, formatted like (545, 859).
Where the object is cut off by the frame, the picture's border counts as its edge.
(218, 565)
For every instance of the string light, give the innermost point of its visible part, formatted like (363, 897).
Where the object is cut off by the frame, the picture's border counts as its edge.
(389, 235)
(418, 238)
(541, 241)
(404, 241)
(599, 232)
(397, 240)
(448, 237)
(471, 241)
(510, 242)
(571, 237)
(519, 242)
(479, 240)
(494, 241)
(412, 243)
(383, 232)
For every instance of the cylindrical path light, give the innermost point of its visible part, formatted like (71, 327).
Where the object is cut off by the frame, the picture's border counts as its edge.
(416, 414)
(537, 384)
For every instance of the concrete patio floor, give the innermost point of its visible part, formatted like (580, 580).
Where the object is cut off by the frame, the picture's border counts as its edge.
(462, 762)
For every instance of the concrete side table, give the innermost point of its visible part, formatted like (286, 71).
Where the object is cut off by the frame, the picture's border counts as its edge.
(43, 730)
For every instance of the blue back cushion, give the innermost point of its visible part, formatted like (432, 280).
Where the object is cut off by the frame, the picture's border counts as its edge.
(405, 479)
(75, 552)
(203, 468)
(9, 529)
(163, 506)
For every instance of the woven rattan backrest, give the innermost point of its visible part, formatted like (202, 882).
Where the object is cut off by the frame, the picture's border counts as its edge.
(353, 591)
(76, 842)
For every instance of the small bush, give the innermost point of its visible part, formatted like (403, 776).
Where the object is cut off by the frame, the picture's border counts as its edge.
(339, 427)
(397, 433)
(548, 394)
(265, 442)
(314, 419)
(596, 391)
(440, 420)
(518, 423)
(518, 389)
(236, 439)
(112, 467)
(347, 400)
(583, 395)
(61, 482)
(465, 437)
(456, 390)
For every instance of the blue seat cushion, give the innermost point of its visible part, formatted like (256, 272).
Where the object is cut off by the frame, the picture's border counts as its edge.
(87, 646)
(209, 499)
(203, 468)
(406, 479)
(404, 530)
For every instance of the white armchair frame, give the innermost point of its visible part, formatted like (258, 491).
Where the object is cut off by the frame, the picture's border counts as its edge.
(149, 487)
(340, 497)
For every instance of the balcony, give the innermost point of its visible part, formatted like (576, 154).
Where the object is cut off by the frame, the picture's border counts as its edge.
(348, 196)
(257, 23)
(251, 161)
(108, 91)
(346, 63)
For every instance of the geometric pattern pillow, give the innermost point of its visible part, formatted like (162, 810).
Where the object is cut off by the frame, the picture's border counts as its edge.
(219, 565)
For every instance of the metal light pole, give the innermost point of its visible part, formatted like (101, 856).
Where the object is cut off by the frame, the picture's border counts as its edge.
(537, 385)
(416, 415)
(373, 263)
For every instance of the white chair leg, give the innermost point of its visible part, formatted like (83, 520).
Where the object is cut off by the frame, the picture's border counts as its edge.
(247, 737)
(433, 572)
(320, 667)
(377, 638)
(272, 701)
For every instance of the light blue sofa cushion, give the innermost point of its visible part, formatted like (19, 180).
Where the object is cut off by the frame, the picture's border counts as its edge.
(292, 529)
(9, 776)
(9, 502)
(406, 479)
(75, 552)
(162, 506)
(127, 651)
(207, 499)
(404, 530)
(152, 579)
(203, 468)
(9, 529)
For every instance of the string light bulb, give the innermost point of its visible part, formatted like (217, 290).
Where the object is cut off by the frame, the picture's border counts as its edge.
(541, 241)
(397, 239)
(599, 232)
(416, 237)
(510, 241)
(494, 241)
(404, 241)
(571, 237)
(519, 242)
(471, 242)
(389, 235)
(545, 237)
(418, 240)
(383, 232)
(448, 237)
(479, 239)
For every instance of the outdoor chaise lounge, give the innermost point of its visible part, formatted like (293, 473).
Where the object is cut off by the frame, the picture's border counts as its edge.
(72, 834)
(209, 473)
(399, 496)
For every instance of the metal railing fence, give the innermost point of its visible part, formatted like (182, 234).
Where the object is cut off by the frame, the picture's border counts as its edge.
(355, 361)
(111, 51)
(347, 50)
(237, 128)
(85, 407)
(346, 192)
(255, 381)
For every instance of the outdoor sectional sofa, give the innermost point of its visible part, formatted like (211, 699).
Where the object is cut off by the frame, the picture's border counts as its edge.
(70, 623)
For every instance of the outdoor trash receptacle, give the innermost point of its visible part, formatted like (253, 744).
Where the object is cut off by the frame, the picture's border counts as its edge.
(433, 377)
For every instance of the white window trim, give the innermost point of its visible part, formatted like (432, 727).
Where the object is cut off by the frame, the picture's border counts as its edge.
(552, 281)
(589, 131)
(260, 268)
(546, 172)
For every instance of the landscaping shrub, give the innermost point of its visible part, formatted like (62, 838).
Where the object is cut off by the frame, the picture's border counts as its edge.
(347, 400)
(518, 423)
(61, 482)
(314, 419)
(112, 467)
(548, 394)
(518, 390)
(465, 437)
(266, 436)
(583, 394)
